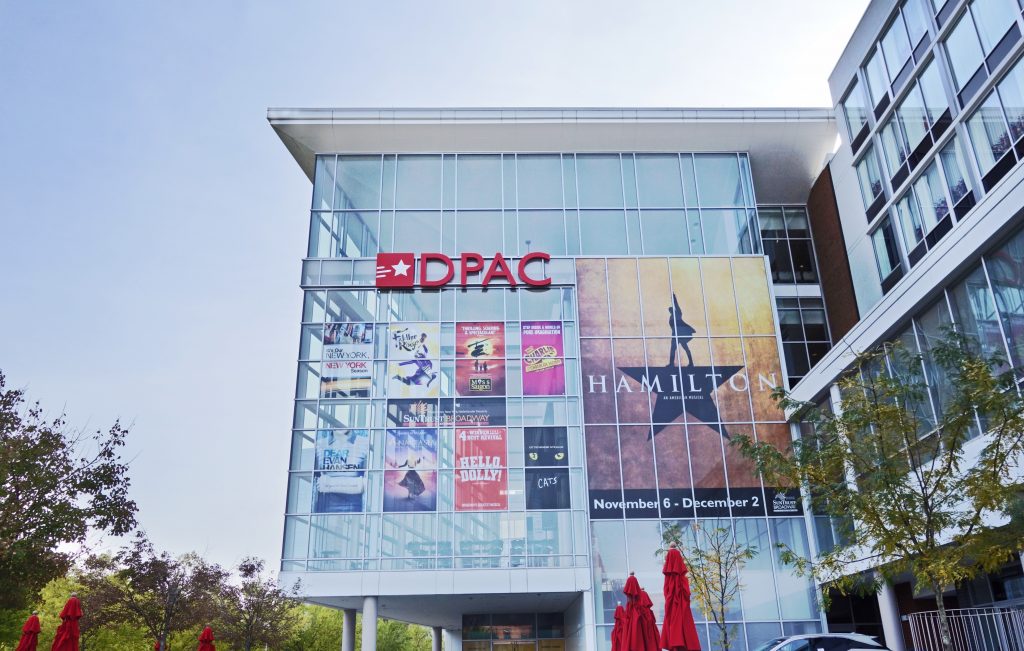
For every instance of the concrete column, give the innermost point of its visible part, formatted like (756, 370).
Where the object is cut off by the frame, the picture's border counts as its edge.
(891, 625)
(435, 638)
(348, 631)
(370, 624)
(452, 640)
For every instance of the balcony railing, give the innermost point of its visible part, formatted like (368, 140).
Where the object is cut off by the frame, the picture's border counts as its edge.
(971, 629)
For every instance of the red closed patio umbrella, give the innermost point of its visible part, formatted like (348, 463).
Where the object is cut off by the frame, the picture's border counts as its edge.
(641, 632)
(156, 646)
(619, 628)
(206, 640)
(678, 631)
(29, 633)
(66, 638)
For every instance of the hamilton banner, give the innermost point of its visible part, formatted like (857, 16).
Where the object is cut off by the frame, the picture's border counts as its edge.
(678, 355)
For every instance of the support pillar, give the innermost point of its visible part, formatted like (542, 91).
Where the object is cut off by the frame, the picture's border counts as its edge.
(435, 638)
(891, 625)
(348, 631)
(370, 624)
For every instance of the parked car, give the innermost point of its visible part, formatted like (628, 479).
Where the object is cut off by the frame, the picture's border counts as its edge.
(823, 642)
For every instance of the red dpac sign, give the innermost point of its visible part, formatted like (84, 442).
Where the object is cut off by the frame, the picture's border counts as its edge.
(399, 269)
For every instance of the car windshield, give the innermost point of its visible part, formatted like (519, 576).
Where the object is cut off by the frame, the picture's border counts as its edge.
(769, 644)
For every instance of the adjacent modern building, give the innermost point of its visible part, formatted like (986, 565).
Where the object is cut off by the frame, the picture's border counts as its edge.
(528, 335)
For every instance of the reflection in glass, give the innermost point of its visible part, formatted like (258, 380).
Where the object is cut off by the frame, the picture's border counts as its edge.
(659, 183)
(993, 18)
(478, 182)
(878, 80)
(541, 230)
(539, 180)
(855, 109)
(599, 179)
(358, 183)
(603, 232)
(1011, 92)
(964, 50)
(718, 180)
(953, 166)
(664, 232)
(870, 180)
(988, 133)
(419, 184)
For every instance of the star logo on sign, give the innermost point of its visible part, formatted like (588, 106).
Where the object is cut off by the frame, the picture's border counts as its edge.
(401, 268)
(395, 269)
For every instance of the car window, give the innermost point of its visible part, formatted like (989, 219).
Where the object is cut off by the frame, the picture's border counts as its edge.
(797, 645)
(770, 644)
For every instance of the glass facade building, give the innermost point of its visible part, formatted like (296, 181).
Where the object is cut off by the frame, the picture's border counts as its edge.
(519, 449)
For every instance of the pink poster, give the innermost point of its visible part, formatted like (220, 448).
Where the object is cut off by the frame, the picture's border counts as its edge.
(481, 472)
(543, 366)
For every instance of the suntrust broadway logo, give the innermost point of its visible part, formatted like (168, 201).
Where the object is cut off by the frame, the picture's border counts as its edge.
(437, 269)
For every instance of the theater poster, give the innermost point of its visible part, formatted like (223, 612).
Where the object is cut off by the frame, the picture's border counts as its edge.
(547, 472)
(347, 360)
(543, 349)
(678, 356)
(411, 448)
(339, 482)
(480, 358)
(413, 366)
(481, 469)
(410, 491)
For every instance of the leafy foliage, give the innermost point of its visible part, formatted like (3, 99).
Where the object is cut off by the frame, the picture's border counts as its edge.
(158, 593)
(921, 494)
(257, 611)
(55, 485)
(715, 559)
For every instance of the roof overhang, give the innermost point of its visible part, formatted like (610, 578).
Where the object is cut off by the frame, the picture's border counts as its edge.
(788, 147)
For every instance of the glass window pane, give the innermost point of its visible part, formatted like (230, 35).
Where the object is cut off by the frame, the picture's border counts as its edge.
(917, 21)
(988, 133)
(540, 181)
(478, 231)
(658, 179)
(358, 184)
(772, 223)
(932, 196)
(603, 232)
(664, 232)
(756, 577)
(796, 222)
(894, 146)
(913, 117)
(323, 183)
(1004, 270)
(599, 180)
(993, 18)
(478, 182)
(417, 231)
(419, 183)
(870, 179)
(878, 80)
(909, 218)
(803, 261)
(778, 260)
(933, 92)
(975, 313)
(541, 230)
(887, 253)
(718, 180)
(796, 593)
(896, 46)
(953, 166)
(360, 235)
(726, 231)
(964, 50)
(1011, 92)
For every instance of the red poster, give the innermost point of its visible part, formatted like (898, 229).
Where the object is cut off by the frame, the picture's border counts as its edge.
(480, 363)
(481, 472)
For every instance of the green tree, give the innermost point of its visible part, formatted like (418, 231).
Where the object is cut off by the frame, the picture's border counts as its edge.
(715, 559)
(257, 611)
(159, 593)
(928, 495)
(55, 485)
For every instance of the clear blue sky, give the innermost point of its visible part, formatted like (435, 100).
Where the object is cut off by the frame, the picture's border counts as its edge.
(152, 225)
